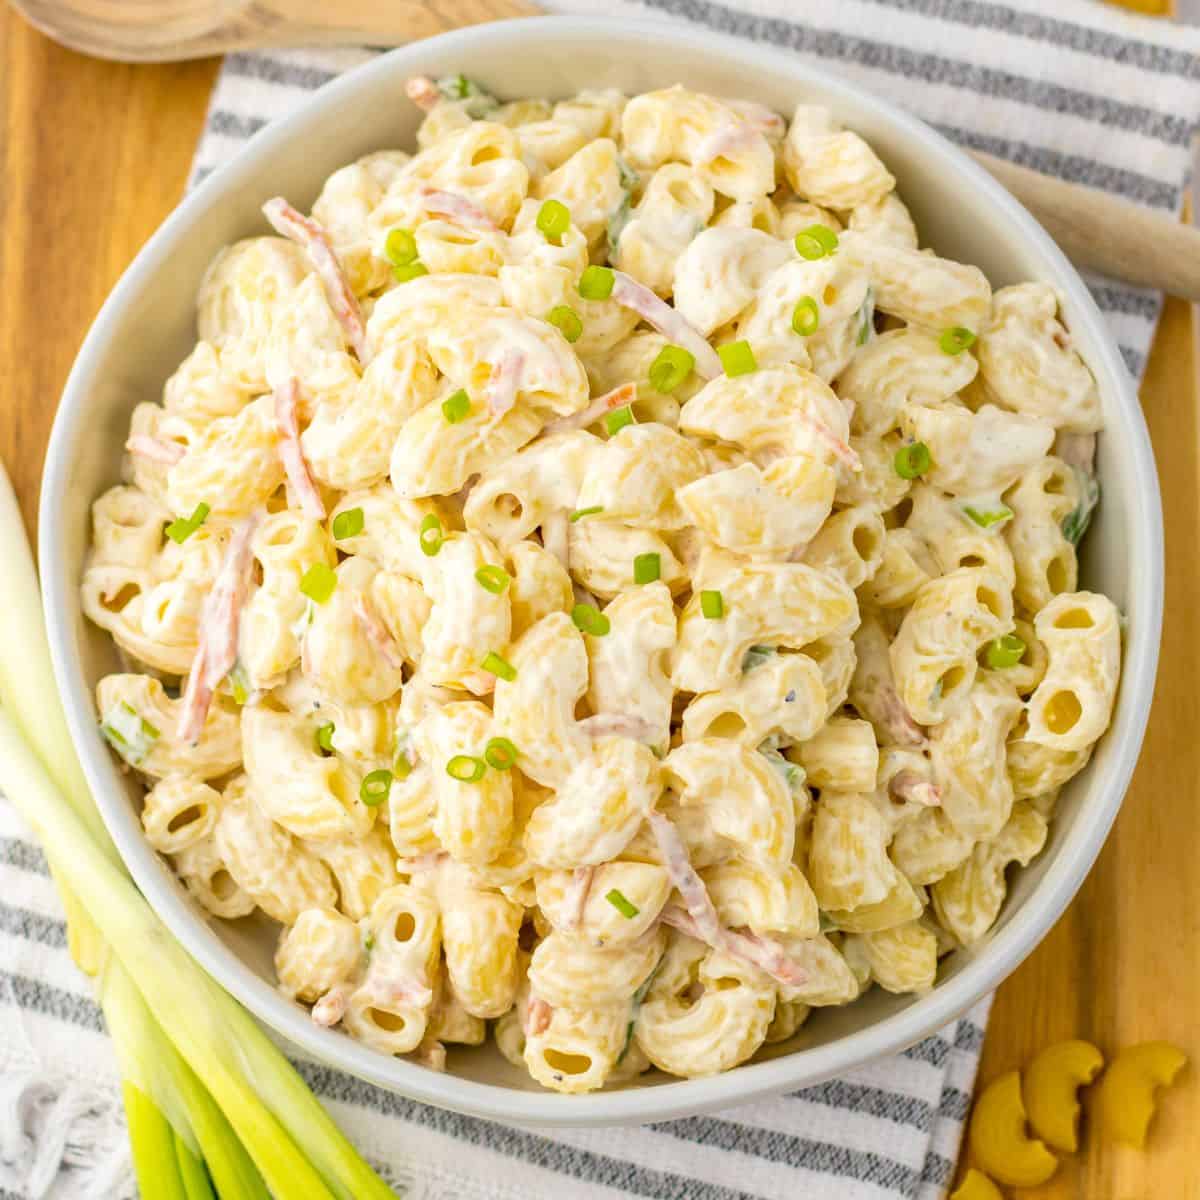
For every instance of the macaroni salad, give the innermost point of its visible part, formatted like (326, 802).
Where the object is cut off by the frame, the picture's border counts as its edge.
(598, 576)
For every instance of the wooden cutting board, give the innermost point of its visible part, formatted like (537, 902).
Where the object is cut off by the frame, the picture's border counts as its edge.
(93, 155)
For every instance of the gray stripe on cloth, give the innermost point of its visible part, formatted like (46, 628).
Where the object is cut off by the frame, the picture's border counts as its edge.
(51, 1001)
(234, 125)
(924, 67)
(272, 70)
(937, 1169)
(1117, 299)
(954, 1103)
(1128, 51)
(968, 1036)
(934, 1050)
(874, 1102)
(1135, 360)
(25, 856)
(824, 1157)
(33, 927)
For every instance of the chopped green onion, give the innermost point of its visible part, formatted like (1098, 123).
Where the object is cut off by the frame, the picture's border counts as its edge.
(181, 529)
(589, 619)
(566, 320)
(671, 366)
(554, 219)
(911, 462)
(466, 769)
(500, 754)
(622, 905)
(867, 314)
(348, 524)
(400, 247)
(815, 242)
(413, 270)
(806, 316)
(985, 518)
(129, 733)
(318, 583)
(402, 768)
(580, 513)
(712, 605)
(616, 420)
(457, 407)
(737, 358)
(647, 568)
(492, 579)
(431, 536)
(375, 787)
(956, 339)
(596, 283)
(239, 683)
(324, 737)
(1075, 523)
(495, 665)
(1004, 652)
(756, 656)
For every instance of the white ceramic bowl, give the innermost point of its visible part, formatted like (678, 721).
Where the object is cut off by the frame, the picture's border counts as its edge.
(147, 326)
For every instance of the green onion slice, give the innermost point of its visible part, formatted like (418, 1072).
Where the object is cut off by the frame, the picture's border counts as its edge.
(324, 737)
(616, 420)
(375, 787)
(566, 320)
(580, 513)
(495, 665)
(806, 316)
(431, 536)
(400, 247)
(492, 579)
(956, 339)
(128, 733)
(318, 582)
(413, 270)
(647, 568)
(466, 768)
(815, 242)
(500, 754)
(911, 462)
(619, 901)
(671, 366)
(348, 524)
(985, 518)
(182, 528)
(239, 683)
(457, 407)
(402, 768)
(737, 358)
(712, 605)
(589, 619)
(554, 219)
(1004, 652)
(596, 283)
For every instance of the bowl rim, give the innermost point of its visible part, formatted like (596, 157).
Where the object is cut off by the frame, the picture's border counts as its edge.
(946, 1001)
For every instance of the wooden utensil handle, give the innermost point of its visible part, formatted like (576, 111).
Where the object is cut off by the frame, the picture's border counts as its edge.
(1107, 234)
(388, 22)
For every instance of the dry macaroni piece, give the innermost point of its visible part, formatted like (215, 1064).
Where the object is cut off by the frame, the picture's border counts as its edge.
(599, 573)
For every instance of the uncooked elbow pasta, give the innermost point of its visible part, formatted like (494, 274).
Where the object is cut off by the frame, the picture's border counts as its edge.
(601, 579)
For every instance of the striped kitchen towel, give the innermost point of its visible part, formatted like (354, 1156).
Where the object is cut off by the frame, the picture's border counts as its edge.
(1074, 89)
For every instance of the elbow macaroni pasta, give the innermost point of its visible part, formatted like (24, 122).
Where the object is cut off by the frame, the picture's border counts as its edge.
(568, 589)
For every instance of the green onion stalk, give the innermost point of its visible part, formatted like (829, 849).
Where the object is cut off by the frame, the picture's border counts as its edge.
(213, 1107)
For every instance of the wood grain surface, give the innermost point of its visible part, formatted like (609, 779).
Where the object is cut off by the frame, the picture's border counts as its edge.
(94, 156)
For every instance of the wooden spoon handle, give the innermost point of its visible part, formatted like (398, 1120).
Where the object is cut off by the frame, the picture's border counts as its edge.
(385, 22)
(1106, 234)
